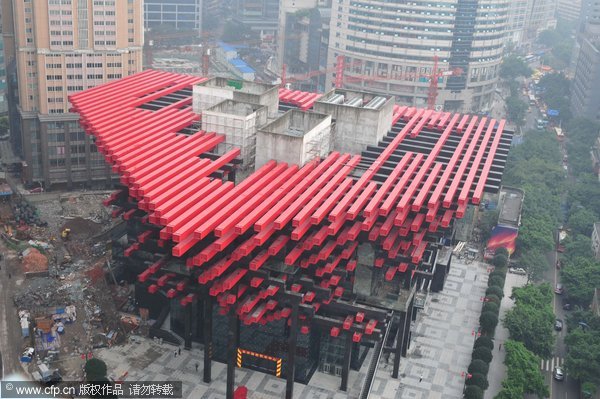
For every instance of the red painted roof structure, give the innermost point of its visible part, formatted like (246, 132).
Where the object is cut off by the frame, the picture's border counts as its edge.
(305, 218)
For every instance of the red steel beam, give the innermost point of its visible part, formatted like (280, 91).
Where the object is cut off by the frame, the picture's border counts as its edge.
(371, 209)
(390, 201)
(488, 163)
(450, 168)
(466, 188)
(248, 220)
(341, 165)
(289, 198)
(373, 169)
(325, 191)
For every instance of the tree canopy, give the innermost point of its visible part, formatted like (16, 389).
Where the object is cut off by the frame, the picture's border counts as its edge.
(513, 66)
(583, 357)
(516, 109)
(531, 319)
(580, 277)
(524, 375)
(95, 370)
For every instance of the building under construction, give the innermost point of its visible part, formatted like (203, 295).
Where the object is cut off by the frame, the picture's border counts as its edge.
(297, 267)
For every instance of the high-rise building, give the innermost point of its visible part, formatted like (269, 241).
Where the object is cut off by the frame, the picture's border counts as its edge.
(390, 47)
(584, 94)
(302, 39)
(54, 49)
(178, 14)
(517, 13)
(3, 103)
(527, 18)
(260, 16)
(568, 10)
(540, 16)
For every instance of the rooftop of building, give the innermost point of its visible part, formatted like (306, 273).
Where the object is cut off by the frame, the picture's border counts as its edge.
(235, 108)
(356, 99)
(295, 123)
(511, 202)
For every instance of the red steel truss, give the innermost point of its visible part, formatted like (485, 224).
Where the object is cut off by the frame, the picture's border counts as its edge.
(305, 217)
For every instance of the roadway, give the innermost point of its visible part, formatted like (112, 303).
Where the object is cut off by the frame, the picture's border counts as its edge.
(568, 388)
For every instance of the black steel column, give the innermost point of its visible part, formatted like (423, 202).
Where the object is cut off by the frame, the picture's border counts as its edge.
(291, 360)
(346, 365)
(207, 335)
(187, 335)
(410, 316)
(232, 346)
(399, 339)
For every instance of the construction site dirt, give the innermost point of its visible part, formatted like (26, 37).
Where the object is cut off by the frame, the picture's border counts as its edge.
(67, 311)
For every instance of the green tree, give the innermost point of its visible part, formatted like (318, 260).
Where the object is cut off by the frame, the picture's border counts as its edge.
(482, 353)
(531, 319)
(535, 263)
(580, 277)
(500, 261)
(523, 373)
(588, 390)
(473, 392)
(484, 341)
(95, 370)
(581, 221)
(516, 109)
(478, 380)
(478, 366)
(502, 251)
(493, 299)
(513, 67)
(556, 93)
(577, 246)
(549, 37)
(496, 281)
(488, 322)
(497, 291)
(490, 307)
(583, 357)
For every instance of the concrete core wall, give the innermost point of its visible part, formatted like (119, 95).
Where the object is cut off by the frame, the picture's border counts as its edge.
(356, 126)
(215, 90)
(238, 122)
(295, 138)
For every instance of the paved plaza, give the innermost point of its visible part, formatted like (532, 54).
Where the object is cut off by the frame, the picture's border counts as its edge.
(440, 352)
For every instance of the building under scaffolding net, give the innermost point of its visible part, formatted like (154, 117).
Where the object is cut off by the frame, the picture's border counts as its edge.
(297, 268)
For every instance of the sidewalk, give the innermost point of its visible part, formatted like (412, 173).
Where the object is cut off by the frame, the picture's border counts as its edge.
(497, 371)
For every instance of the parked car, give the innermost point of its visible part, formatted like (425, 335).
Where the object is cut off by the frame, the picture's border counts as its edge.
(558, 325)
(517, 270)
(558, 373)
(559, 289)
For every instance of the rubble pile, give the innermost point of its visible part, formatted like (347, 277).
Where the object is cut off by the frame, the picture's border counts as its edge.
(25, 213)
(41, 292)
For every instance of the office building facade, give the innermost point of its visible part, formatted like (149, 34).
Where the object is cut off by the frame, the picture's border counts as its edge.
(302, 40)
(177, 14)
(260, 16)
(390, 47)
(56, 49)
(568, 10)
